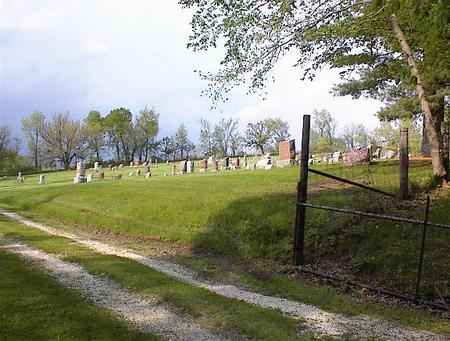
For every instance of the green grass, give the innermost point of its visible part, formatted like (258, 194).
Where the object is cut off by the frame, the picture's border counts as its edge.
(33, 306)
(248, 215)
(215, 312)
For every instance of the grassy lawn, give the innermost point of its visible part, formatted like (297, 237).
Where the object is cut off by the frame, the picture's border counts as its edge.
(248, 215)
(33, 306)
(215, 312)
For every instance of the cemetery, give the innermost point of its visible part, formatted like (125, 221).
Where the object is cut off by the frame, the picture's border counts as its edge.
(225, 170)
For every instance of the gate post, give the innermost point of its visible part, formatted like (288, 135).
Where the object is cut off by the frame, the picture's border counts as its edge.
(404, 163)
(302, 192)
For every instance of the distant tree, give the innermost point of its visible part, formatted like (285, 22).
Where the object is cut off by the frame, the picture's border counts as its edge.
(94, 133)
(10, 161)
(118, 124)
(278, 128)
(225, 131)
(146, 129)
(207, 145)
(324, 125)
(63, 138)
(5, 135)
(258, 135)
(355, 135)
(182, 142)
(32, 129)
(167, 147)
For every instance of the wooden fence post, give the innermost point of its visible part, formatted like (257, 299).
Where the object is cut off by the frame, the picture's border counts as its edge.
(404, 163)
(302, 192)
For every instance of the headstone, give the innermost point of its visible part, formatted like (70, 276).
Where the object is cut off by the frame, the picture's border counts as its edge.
(148, 172)
(131, 164)
(131, 173)
(238, 163)
(138, 172)
(183, 166)
(356, 156)
(20, 178)
(96, 166)
(286, 153)
(89, 178)
(216, 165)
(81, 173)
(337, 157)
(245, 161)
(174, 169)
(263, 163)
(227, 163)
(121, 165)
(42, 179)
(189, 167)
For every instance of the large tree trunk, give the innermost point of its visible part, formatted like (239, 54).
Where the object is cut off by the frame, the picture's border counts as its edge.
(433, 118)
(425, 148)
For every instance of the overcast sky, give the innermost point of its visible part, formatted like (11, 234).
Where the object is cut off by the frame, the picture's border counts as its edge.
(82, 55)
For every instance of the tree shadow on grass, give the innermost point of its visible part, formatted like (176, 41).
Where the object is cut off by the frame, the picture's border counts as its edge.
(261, 227)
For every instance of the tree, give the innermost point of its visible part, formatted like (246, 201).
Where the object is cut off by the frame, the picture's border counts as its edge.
(207, 146)
(167, 147)
(279, 130)
(63, 138)
(118, 124)
(258, 135)
(182, 142)
(94, 133)
(146, 129)
(32, 129)
(226, 133)
(324, 125)
(383, 48)
(9, 152)
(355, 135)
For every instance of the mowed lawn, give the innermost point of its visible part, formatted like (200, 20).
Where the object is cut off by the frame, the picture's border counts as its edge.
(249, 214)
(177, 207)
(33, 306)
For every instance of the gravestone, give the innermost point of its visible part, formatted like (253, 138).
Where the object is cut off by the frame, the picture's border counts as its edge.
(174, 169)
(245, 161)
(356, 156)
(189, 166)
(286, 153)
(216, 165)
(42, 179)
(89, 178)
(81, 173)
(138, 172)
(20, 179)
(265, 163)
(337, 157)
(227, 163)
(96, 166)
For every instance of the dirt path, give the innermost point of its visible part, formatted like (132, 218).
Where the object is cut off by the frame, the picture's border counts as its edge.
(317, 320)
(147, 315)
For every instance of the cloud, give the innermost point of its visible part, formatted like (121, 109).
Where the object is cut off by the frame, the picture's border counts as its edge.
(81, 55)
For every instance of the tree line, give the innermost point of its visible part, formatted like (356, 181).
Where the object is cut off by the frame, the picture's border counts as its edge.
(326, 139)
(120, 136)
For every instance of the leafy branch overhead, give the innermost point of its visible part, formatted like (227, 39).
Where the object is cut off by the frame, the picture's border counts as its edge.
(384, 49)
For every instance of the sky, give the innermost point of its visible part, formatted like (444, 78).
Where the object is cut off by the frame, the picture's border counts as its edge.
(77, 56)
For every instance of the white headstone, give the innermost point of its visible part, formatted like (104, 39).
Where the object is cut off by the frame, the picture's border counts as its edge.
(42, 179)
